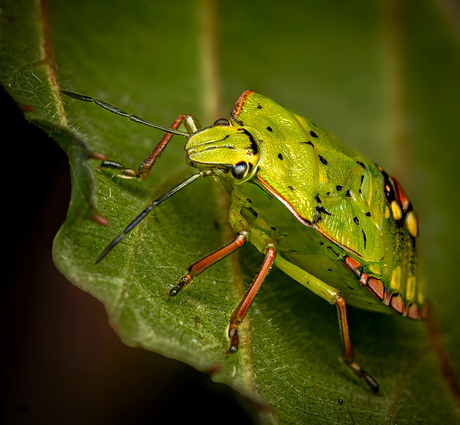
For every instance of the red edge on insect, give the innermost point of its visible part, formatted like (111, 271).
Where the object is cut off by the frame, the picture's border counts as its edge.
(376, 287)
(283, 200)
(304, 221)
(403, 199)
(240, 102)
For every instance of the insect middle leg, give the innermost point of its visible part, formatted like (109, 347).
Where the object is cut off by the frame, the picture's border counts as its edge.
(206, 262)
(240, 312)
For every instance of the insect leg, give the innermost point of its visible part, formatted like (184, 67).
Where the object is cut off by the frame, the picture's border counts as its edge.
(347, 351)
(333, 296)
(191, 124)
(206, 262)
(238, 315)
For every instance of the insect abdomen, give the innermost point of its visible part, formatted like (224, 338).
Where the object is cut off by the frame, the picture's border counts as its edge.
(395, 282)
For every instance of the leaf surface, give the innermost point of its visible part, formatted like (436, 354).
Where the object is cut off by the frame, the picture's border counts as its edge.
(360, 70)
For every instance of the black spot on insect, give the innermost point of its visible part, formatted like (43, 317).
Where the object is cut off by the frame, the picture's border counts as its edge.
(368, 214)
(318, 199)
(280, 156)
(339, 188)
(313, 134)
(273, 228)
(321, 210)
(388, 187)
(348, 193)
(328, 193)
(360, 163)
(362, 178)
(329, 270)
(322, 159)
(364, 238)
(350, 287)
(356, 220)
(308, 143)
(254, 147)
(336, 253)
(259, 106)
(321, 243)
(269, 129)
(290, 187)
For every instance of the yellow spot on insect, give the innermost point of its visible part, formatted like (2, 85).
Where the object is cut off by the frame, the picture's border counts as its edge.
(396, 278)
(410, 288)
(420, 296)
(396, 210)
(376, 270)
(411, 223)
(387, 212)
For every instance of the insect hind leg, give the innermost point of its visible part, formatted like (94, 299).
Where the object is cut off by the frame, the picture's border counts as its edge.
(333, 296)
(347, 351)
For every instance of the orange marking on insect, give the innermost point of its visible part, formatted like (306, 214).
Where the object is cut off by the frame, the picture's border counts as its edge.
(240, 102)
(396, 302)
(403, 199)
(363, 280)
(351, 264)
(413, 311)
(425, 312)
(376, 287)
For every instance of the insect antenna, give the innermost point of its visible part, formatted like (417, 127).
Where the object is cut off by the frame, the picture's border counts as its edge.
(118, 111)
(142, 215)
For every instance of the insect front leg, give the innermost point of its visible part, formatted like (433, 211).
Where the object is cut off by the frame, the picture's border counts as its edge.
(191, 124)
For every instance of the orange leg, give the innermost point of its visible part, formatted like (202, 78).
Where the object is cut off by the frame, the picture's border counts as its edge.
(144, 169)
(347, 351)
(191, 124)
(238, 315)
(206, 262)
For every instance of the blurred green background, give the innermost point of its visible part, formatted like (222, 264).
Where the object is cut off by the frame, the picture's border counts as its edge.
(382, 75)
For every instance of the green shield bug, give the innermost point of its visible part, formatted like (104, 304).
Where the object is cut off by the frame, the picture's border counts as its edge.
(329, 218)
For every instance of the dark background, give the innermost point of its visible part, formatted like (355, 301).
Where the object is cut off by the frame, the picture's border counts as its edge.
(60, 354)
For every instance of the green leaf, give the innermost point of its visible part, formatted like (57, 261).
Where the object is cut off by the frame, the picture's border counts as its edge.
(371, 72)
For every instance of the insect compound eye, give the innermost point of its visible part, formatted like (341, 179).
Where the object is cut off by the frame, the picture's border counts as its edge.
(240, 170)
(222, 122)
